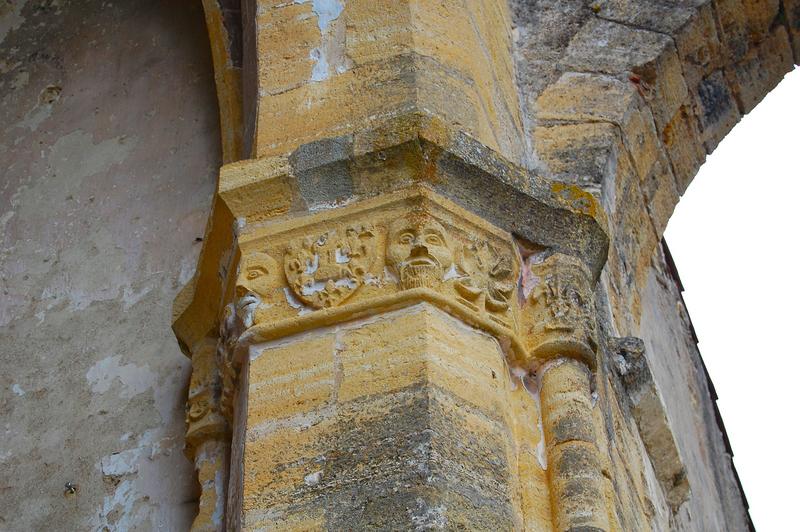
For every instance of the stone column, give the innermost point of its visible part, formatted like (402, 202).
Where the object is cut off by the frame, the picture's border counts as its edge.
(561, 331)
(363, 275)
(207, 436)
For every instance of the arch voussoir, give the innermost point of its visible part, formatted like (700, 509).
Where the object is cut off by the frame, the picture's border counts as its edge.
(643, 91)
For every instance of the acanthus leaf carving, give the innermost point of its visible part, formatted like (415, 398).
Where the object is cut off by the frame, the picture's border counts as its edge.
(489, 276)
(562, 304)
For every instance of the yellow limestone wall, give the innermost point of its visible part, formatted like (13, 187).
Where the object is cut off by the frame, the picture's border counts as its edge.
(353, 426)
(326, 69)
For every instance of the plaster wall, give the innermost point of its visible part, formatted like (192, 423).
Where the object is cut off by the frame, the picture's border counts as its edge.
(109, 150)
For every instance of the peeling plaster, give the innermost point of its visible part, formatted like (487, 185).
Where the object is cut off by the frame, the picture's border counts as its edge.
(136, 474)
(134, 379)
(77, 156)
(330, 54)
(100, 206)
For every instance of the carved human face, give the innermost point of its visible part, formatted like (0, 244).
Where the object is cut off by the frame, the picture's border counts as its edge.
(257, 274)
(197, 406)
(419, 251)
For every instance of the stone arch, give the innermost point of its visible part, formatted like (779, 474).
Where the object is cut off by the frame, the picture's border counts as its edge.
(626, 98)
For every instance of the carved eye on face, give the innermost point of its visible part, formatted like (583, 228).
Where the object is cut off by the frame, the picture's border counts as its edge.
(406, 238)
(255, 272)
(434, 240)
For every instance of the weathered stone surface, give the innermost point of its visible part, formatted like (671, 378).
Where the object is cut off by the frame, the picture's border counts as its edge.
(574, 466)
(622, 50)
(678, 372)
(110, 150)
(699, 45)
(410, 254)
(716, 109)
(391, 426)
(586, 97)
(762, 69)
(681, 140)
(584, 154)
(646, 14)
(792, 10)
(542, 32)
(660, 194)
(732, 23)
(760, 17)
(329, 70)
(633, 233)
(612, 48)
(649, 411)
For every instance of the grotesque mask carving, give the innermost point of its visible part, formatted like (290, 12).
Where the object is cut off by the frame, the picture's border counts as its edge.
(419, 250)
(203, 419)
(197, 407)
(326, 271)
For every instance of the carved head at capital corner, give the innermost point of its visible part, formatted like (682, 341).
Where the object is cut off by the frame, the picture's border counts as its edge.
(258, 274)
(419, 250)
(203, 420)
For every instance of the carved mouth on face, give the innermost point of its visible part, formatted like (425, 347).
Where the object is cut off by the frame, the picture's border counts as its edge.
(422, 261)
(420, 274)
(246, 307)
(248, 300)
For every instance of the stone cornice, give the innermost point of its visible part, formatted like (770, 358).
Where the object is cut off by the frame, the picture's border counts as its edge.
(411, 152)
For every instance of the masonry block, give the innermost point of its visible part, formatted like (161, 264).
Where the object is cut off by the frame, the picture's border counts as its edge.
(732, 23)
(660, 193)
(402, 420)
(792, 10)
(596, 97)
(762, 69)
(716, 109)
(681, 140)
(583, 154)
(647, 58)
(699, 46)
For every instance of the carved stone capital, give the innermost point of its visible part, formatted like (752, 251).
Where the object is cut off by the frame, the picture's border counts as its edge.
(559, 314)
(374, 256)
